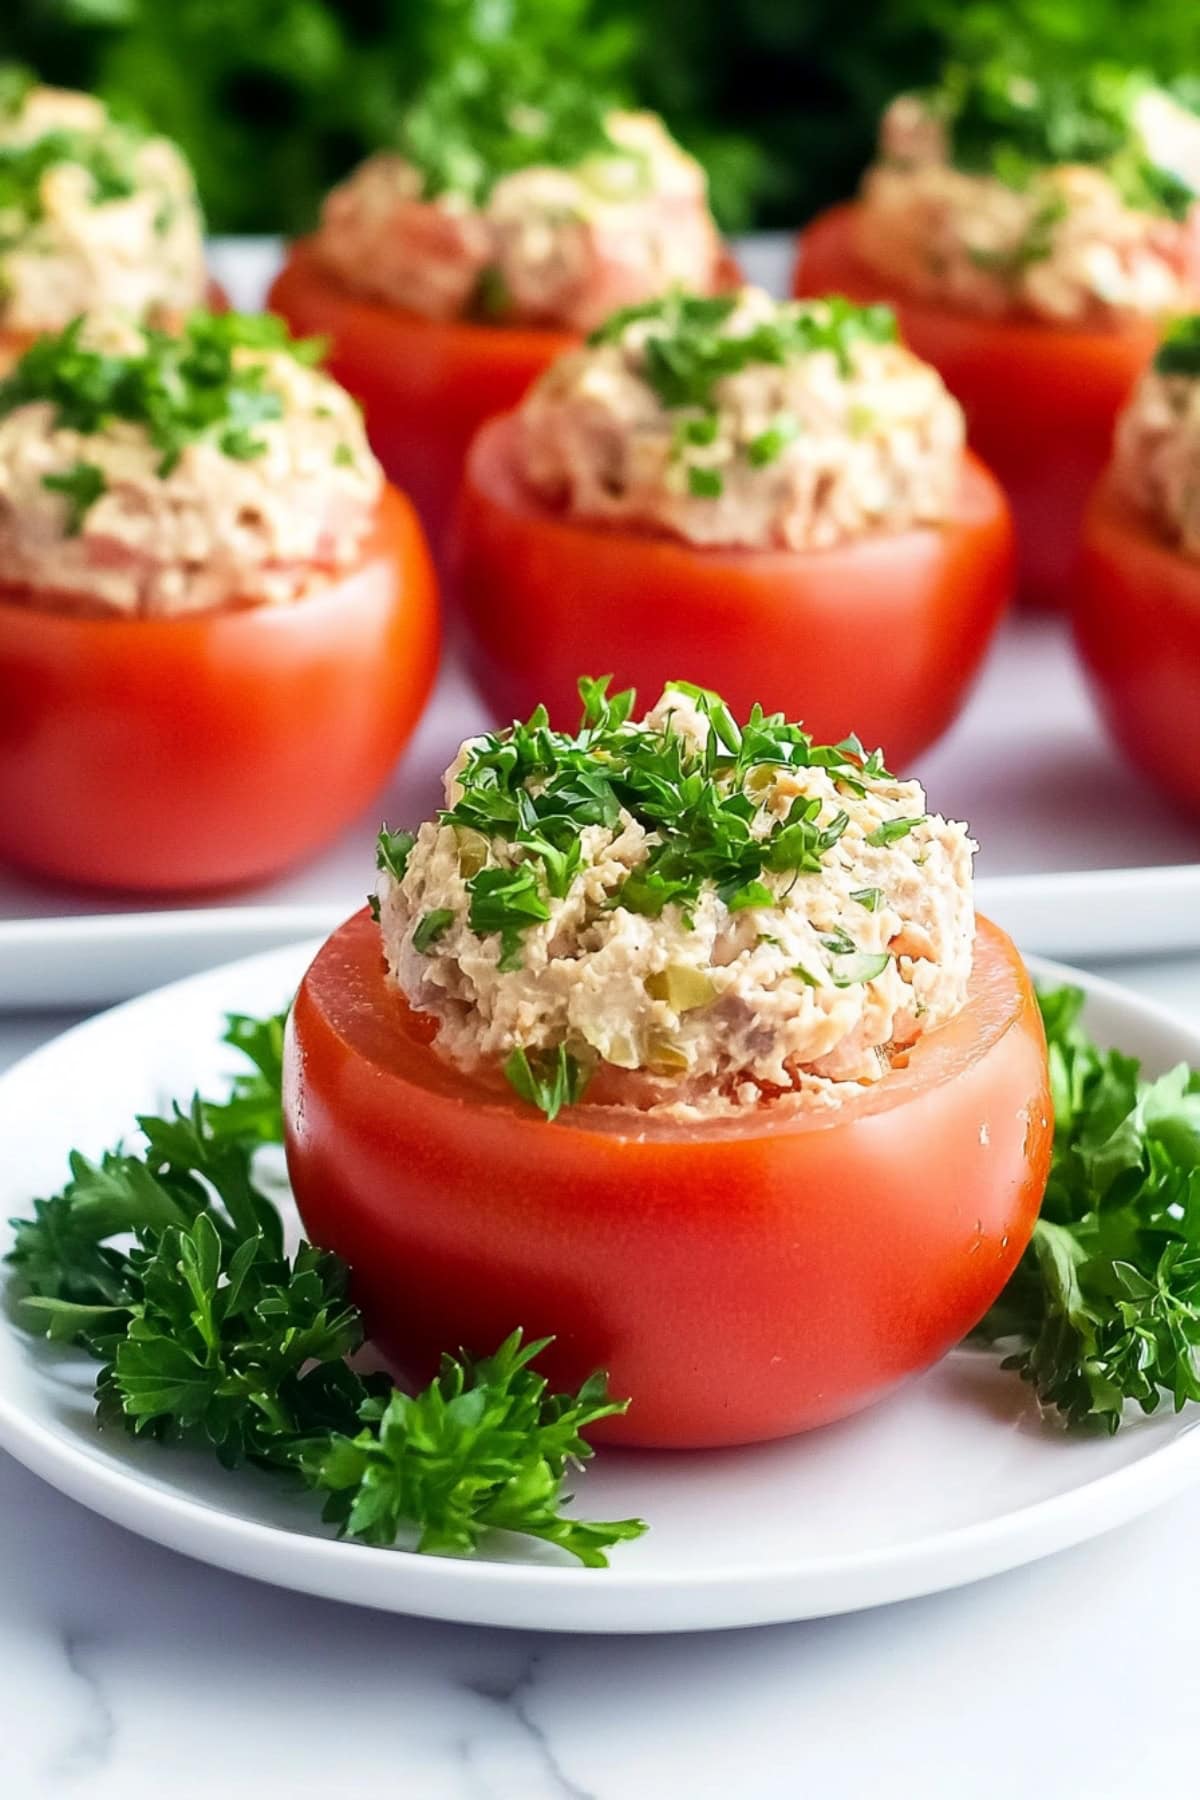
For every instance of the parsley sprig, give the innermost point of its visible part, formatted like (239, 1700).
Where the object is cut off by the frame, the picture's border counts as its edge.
(1010, 122)
(182, 388)
(168, 1264)
(500, 110)
(1105, 1304)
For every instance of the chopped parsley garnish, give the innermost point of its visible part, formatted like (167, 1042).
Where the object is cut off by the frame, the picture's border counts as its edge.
(1179, 351)
(529, 792)
(1007, 122)
(705, 484)
(1104, 1307)
(892, 830)
(109, 156)
(203, 384)
(689, 351)
(548, 1079)
(392, 851)
(431, 927)
(487, 115)
(167, 1264)
(81, 486)
(690, 354)
(770, 445)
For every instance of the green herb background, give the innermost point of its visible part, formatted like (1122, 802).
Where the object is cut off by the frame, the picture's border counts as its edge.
(274, 99)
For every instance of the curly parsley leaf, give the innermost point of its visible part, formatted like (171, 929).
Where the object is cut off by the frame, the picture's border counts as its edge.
(484, 1448)
(1105, 1304)
(168, 1266)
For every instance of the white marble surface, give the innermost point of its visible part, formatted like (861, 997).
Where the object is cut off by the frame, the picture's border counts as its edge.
(129, 1673)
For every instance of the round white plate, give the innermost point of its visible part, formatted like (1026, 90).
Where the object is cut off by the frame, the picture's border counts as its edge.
(952, 1479)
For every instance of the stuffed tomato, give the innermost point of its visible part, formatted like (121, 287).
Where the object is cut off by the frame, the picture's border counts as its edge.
(217, 626)
(448, 274)
(775, 497)
(1137, 586)
(1030, 236)
(99, 216)
(681, 1043)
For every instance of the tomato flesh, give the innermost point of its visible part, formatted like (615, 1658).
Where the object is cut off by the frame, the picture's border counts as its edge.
(1041, 400)
(739, 1282)
(200, 751)
(1137, 624)
(883, 636)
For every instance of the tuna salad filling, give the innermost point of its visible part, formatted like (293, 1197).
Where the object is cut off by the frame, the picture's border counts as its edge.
(95, 216)
(1156, 461)
(738, 420)
(145, 473)
(677, 914)
(1056, 199)
(508, 233)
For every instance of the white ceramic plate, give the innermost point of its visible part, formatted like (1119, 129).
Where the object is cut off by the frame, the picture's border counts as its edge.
(952, 1479)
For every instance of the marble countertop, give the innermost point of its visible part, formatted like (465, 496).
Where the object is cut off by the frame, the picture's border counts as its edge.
(127, 1672)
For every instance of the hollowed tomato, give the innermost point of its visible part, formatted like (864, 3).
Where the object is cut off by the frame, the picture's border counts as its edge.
(738, 1281)
(1041, 399)
(883, 635)
(1137, 623)
(218, 747)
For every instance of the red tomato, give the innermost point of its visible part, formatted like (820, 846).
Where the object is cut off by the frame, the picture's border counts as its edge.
(216, 748)
(1041, 400)
(738, 1283)
(426, 384)
(884, 635)
(1137, 623)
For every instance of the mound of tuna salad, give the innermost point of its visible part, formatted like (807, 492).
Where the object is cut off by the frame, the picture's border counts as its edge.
(558, 214)
(1059, 199)
(741, 420)
(678, 914)
(144, 473)
(1156, 461)
(95, 215)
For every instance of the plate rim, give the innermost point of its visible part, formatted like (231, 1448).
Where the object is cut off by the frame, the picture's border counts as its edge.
(730, 1594)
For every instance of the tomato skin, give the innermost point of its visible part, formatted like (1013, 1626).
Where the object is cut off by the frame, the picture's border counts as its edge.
(1136, 617)
(176, 753)
(426, 384)
(738, 1285)
(1041, 400)
(883, 636)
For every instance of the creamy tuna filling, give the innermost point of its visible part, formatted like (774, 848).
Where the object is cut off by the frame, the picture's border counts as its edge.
(94, 217)
(741, 421)
(551, 246)
(985, 227)
(1156, 461)
(835, 928)
(252, 485)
